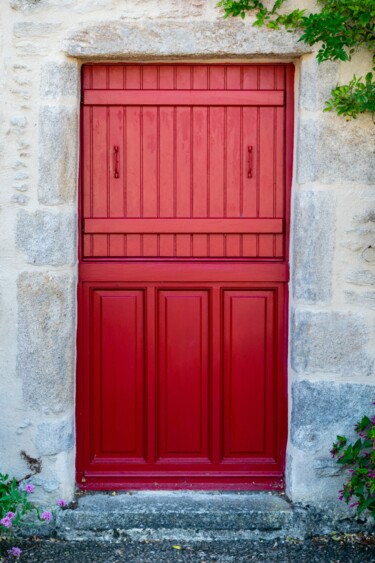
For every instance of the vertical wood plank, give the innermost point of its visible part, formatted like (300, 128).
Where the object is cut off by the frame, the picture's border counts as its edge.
(133, 174)
(184, 174)
(233, 199)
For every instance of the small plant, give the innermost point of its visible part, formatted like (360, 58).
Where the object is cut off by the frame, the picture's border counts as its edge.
(359, 457)
(15, 505)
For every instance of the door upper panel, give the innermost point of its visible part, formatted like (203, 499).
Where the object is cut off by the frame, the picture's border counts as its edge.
(196, 152)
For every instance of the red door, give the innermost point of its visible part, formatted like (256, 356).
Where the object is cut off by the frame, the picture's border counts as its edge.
(183, 275)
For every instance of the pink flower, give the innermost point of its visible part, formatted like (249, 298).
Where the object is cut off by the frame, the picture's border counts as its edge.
(6, 521)
(61, 502)
(46, 516)
(10, 515)
(29, 488)
(15, 551)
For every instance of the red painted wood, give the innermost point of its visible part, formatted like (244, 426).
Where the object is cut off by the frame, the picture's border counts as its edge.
(249, 338)
(183, 98)
(183, 368)
(168, 225)
(182, 296)
(118, 370)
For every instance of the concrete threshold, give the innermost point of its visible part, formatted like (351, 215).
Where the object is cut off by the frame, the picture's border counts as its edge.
(195, 516)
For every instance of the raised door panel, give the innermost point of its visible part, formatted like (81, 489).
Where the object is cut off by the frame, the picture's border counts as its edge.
(118, 372)
(183, 367)
(249, 374)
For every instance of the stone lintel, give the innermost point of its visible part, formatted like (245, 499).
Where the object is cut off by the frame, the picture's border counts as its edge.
(177, 39)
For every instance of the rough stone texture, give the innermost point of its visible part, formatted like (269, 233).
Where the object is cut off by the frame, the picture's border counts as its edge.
(366, 300)
(46, 340)
(313, 245)
(30, 29)
(59, 79)
(347, 150)
(55, 437)
(333, 150)
(306, 150)
(360, 277)
(330, 342)
(316, 82)
(193, 515)
(57, 154)
(175, 39)
(323, 409)
(23, 4)
(31, 48)
(47, 237)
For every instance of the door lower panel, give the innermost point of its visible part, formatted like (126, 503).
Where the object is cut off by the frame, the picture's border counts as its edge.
(183, 385)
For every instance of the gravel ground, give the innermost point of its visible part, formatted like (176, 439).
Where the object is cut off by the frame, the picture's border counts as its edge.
(348, 548)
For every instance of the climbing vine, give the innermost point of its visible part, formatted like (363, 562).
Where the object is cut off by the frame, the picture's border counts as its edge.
(341, 27)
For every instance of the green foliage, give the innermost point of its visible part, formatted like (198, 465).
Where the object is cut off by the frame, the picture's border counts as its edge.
(340, 27)
(13, 500)
(359, 457)
(356, 97)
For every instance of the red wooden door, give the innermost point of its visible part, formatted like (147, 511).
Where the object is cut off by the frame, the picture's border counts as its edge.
(183, 272)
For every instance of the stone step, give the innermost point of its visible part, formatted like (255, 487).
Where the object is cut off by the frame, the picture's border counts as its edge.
(181, 515)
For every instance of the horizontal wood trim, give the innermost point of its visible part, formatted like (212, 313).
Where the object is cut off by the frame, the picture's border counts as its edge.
(183, 97)
(178, 226)
(231, 272)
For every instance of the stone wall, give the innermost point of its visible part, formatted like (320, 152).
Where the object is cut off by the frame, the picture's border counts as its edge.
(332, 293)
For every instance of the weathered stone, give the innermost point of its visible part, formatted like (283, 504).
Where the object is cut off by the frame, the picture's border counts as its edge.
(18, 121)
(333, 150)
(180, 38)
(20, 199)
(46, 340)
(367, 216)
(323, 409)
(55, 437)
(31, 48)
(307, 149)
(57, 155)
(347, 150)
(313, 242)
(368, 254)
(203, 513)
(30, 29)
(47, 237)
(330, 342)
(360, 277)
(59, 79)
(366, 299)
(23, 4)
(19, 176)
(316, 82)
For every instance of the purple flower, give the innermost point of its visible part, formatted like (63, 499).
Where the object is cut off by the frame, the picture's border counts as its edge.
(29, 488)
(6, 521)
(353, 504)
(61, 502)
(46, 516)
(10, 515)
(15, 551)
